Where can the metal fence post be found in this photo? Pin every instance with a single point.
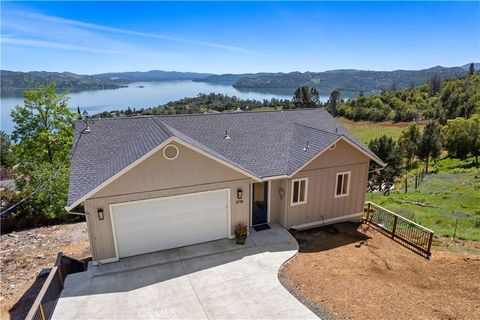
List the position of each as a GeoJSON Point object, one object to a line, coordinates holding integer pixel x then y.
{"type": "Point", "coordinates": [429, 247]}
{"type": "Point", "coordinates": [42, 313]}
{"type": "Point", "coordinates": [395, 218]}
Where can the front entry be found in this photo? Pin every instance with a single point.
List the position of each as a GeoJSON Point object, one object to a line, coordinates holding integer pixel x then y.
{"type": "Point", "coordinates": [260, 203]}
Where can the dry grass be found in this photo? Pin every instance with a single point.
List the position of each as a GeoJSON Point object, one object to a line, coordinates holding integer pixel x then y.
{"type": "Point", "coordinates": [365, 275]}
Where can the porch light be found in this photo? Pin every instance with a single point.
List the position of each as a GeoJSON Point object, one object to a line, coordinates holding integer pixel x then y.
{"type": "Point", "coordinates": [100, 214]}
{"type": "Point", "coordinates": [239, 194]}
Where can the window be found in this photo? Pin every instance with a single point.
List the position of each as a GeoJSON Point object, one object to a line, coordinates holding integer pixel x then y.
{"type": "Point", "coordinates": [342, 185]}
{"type": "Point", "coordinates": [299, 191]}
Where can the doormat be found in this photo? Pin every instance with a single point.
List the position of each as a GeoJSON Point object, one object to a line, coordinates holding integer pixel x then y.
{"type": "Point", "coordinates": [261, 227]}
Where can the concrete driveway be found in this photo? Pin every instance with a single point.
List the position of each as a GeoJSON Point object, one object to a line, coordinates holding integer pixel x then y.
{"type": "Point", "coordinates": [214, 280]}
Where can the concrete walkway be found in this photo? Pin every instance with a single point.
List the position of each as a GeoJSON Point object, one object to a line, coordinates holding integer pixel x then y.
{"type": "Point", "coordinates": [214, 280]}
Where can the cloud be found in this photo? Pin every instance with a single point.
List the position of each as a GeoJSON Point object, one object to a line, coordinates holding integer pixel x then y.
{"type": "Point", "coordinates": [91, 26]}
{"type": "Point", "coordinates": [51, 45]}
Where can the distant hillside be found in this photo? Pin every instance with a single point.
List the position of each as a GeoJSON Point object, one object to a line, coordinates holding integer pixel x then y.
{"type": "Point", "coordinates": [230, 78]}
{"type": "Point", "coordinates": [153, 75]}
{"type": "Point", "coordinates": [349, 80]}
{"type": "Point", "coordinates": [467, 66]}
{"type": "Point", "coordinates": [344, 80]}
{"type": "Point", "coordinates": [13, 82]}
{"type": "Point", "coordinates": [453, 98]}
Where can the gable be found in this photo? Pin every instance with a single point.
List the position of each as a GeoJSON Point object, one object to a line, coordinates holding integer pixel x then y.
{"type": "Point", "coordinates": [343, 154]}
{"type": "Point", "coordinates": [158, 173]}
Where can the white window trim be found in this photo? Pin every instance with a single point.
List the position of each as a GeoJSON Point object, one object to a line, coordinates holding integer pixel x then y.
{"type": "Point", "coordinates": [306, 191]}
{"type": "Point", "coordinates": [168, 146]}
{"type": "Point", "coordinates": [348, 184]}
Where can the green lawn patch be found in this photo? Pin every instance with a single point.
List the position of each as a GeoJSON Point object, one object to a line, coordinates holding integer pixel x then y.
{"type": "Point", "coordinates": [439, 202]}
{"type": "Point", "coordinates": [367, 130]}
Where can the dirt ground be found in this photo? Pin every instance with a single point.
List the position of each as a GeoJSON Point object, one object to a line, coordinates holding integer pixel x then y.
{"type": "Point", "coordinates": [24, 253]}
{"type": "Point", "coordinates": [359, 274]}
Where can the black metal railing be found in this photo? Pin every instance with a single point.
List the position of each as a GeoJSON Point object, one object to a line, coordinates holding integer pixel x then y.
{"type": "Point", "coordinates": [410, 234]}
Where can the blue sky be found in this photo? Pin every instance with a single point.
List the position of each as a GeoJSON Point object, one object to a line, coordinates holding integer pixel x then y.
{"type": "Point", "coordinates": [90, 37]}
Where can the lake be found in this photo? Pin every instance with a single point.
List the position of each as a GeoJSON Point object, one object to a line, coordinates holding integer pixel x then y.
{"type": "Point", "coordinates": [151, 95]}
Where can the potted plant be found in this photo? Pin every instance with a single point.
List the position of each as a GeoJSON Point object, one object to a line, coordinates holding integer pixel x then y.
{"type": "Point", "coordinates": [241, 233]}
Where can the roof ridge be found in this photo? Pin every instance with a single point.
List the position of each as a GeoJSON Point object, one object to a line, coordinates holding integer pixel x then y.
{"type": "Point", "coordinates": [120, 152]}
{"type": "Point", "coordinates": [163, 126]}
{"type": "Point", "coordinates": [318, 129]}
{"type": "Point", "coordinates": [185, 137]}
{"type": "Point", "coordinates": [233, 113]}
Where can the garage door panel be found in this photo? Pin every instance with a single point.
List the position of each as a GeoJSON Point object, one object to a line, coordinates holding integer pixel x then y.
{"type": "Point", "coordinates": [169, 222]}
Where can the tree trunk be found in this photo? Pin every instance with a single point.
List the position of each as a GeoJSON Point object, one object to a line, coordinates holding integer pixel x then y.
{"type": "Point", "coordinates": [426, 165]}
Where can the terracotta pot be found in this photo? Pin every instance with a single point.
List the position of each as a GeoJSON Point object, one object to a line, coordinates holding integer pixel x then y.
{"type": "Point", "coordinates": [240, 240]}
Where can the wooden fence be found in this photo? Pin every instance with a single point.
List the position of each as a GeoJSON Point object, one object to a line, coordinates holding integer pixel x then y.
{"type": "Point", "coordinates": [412, 235]}
{"type": "Point", "coordinates": [44, 305]}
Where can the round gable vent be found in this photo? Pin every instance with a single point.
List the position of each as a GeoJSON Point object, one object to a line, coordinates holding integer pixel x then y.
{"type": "Point", "coordinates": [333, 146]}
{"type": "Point", "coordinates": [170, 152]}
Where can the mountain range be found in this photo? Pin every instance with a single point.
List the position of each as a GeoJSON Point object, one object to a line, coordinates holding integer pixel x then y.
{"type": "Point", "coordinates": [345, 79]}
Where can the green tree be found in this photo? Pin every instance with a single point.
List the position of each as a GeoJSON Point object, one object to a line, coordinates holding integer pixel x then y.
{"type": "Point", "coordinates": [472, 69]}
{"type": "Point", "coordinates": [387, 150]}
{"type": "Point", "coordinates": [333, 102]}
{"type": "Point", "coordinates": [305, 97]}
{"type": "Point", "coordinates": [457, 137]}
{"type": "Point", "coordinates": [430, 144]}
{"type": "Point", "coordinates": [43, 133]}
{"type": "Point", "coordinates": [6, 155]}
{"type": "Point", "coordinates": [435, 84]}
{"type": "Point", "coordinates": [79, 114]}
{"type": "Point", "coordinates": [475, 137]}
{"type": "Point", "coordinates": [408, 143]}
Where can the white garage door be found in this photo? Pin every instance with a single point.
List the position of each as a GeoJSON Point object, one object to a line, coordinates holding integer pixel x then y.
{"type": "Point", "coordinates": [169, 222]}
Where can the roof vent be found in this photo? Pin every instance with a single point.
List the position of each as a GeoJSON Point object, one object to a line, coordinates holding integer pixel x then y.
{"type": "Point", "coordinates": [170, 152]}
{"type": "Point", "coordinates": [86, 122]}
{"type": "Point", "coordinates": [226, 137]}
{"type": "Point", "coordinates": [336, 129]}
{"type": "Point", "coordinates": [307, 147]}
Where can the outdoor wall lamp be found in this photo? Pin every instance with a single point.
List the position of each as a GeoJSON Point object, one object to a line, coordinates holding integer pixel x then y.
{"type": "Point", "coordinates": [100, 214]}
{"type": "Point", "coordinates": [239, 194]}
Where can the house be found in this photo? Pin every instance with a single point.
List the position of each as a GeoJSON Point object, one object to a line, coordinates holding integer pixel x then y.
{"type": "Point", "coordinates": [158, 182]}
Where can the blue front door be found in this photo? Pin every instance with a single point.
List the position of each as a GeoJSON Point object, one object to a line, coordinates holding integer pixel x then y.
{"type": "Point", "coordinates": [260, 203]}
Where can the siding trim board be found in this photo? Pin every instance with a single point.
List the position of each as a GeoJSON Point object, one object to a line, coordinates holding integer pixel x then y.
{"type": "Point", "coordinates": [328, 221]}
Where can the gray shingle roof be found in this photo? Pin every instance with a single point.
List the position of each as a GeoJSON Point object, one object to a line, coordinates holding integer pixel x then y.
{"type": "Point", "coordinates": [264, 144]}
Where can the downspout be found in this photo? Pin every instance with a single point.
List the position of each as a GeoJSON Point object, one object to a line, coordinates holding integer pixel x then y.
{"type": "Point", "coordinates": [92, 246]}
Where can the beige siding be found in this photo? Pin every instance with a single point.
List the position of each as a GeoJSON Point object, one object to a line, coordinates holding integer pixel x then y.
{"type": "Point", "coordinates": [343, 154]}
{"type": "Point", "coordinates": [321, 173]}
{"type": "Point", "coordinates": [157, 173]}
{"type": "Point", "coordinates": [277, 204]}
{"type": "Point", "coordinates": [158, 177]}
